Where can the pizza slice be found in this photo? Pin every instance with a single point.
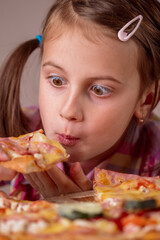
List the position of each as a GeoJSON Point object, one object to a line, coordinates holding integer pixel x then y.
{"type": "Point", "coordinates": [32, 152]}
{"type": "Point", "coordinates": [126, 192]}
{"type": "Point", "coordinates": [142, 226]}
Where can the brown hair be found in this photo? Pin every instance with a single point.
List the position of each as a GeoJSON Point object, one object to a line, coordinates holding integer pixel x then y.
{"type": "Point", "coordinates": [103, 14]}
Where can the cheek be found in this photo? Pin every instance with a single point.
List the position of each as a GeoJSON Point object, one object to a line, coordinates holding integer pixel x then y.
{"type": "Point", "coordinates": [109, 125]}
{"type": "Point", "coordinates": [43, 100]}
{"type": "Point", "coordinates": [47, 111]}
{"type": "Point", "coordinates": [46, 98]}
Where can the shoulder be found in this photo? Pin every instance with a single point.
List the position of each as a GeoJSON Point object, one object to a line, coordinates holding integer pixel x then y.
{"type": "Point", "coordinates": [152, 130]}
{"type": "Point", "coordinates": [33, 114]}
{"type": "Point", "coordinates": [149, 137]}
{"type": "Point", "coordinates": [150, 134]}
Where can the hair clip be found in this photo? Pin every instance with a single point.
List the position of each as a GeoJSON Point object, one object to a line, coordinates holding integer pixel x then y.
{"type": "Point", "coordinates": [39, 38]}
{"type": "Point", "coordinates": [122, 35]}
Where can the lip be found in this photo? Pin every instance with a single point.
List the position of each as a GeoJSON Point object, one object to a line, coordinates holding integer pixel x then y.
{"type": "Point", "coordinates": [67, 140]}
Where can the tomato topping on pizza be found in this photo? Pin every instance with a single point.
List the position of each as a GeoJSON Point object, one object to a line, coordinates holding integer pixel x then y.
{"type": "Point", "coordinates": [125, 192]}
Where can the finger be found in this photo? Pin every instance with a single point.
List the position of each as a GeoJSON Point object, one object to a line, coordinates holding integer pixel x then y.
{"type": "Point", "coordinates": [3, 194]}
{"type": "Point", "coordinates": [6, 174]}
{"type": "Point", "coordinates": [43, 183]}
{"type": "Point", "coordinates": [79, 177]}
{"type": "Point", "coordinates": [31, 181]}
{"type": "Point", "coordinates": [64, 183]}
{"type": "Point", "coordinates": [47, 187]}
{"type": "Point", "coordinates": [3, 156]}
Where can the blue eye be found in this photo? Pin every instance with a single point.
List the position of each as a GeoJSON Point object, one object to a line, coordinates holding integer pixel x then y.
{"type": "Point", "coordinates": [100, 90]}
{"type": "Point", "coordinates": [57, 81]}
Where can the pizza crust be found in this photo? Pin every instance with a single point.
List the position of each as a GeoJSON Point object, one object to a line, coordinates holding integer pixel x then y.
{"type": "Point", "coordinates": [24, 164]}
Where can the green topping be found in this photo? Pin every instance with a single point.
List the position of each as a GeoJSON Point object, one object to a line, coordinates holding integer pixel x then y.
{"type": "Point", "coordinates": [80, 210]}
{"type": "Point", "coordinates": [140, 205]}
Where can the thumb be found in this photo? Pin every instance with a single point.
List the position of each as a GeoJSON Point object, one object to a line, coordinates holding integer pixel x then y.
{"type": "Point", "coordinates": [78, 176]}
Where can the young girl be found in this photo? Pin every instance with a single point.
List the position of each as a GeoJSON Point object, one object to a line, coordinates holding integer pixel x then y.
{"type": "Point", "coordinates": [99, 83]}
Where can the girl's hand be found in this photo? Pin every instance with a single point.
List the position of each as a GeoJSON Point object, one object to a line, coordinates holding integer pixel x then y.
{"type": "Point", "coordinates": [55, 182]}
{"type": "Point", "coordinates": [3, 195]}
{"type": "Point", "coordinates": [6, 174]}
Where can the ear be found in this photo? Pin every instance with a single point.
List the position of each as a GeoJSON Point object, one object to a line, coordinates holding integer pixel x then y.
{"type": "Point", "coordinates": [145, 103]}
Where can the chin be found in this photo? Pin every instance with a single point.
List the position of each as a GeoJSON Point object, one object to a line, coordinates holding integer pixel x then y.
{"type": "Point", "coordinates": [73, 158]}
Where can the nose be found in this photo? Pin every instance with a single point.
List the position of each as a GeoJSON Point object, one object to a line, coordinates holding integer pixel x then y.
{"type": "Point", "coordinates": [72, 108]}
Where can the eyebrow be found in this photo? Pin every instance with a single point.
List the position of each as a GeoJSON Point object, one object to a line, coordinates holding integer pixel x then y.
{"type": "Point", "coordinates": [49, 63]}
{"type": "Point", "coordinates": [107, 77]}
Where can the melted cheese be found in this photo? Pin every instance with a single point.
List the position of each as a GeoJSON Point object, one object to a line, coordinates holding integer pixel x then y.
{"type": "Point", "coordinates": [13, 225]}
{"type": "Point", "coordinates": [35, 227]}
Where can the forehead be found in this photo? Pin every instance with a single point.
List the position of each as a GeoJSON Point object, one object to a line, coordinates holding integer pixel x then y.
{"type": "Point", "coordinates": [92, 31]}
{"type": "Point", "coordinates": [94, 54]}
{"type": "Point", "coordinates": [86, 30]}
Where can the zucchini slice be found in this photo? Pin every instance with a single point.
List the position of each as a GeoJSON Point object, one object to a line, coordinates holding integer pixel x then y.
{"type": "Point", "coordinates": [140, 205]}
{"type": "Point", "coordinates": [80, 210]}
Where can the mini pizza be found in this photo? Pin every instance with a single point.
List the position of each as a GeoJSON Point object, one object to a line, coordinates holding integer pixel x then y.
{"type": "Point", "coordinates": [32, 152]}
{"type": "Point", "coordinates": [21, 220]}
{"type": "Point", "coordinates": [126, 186]}
{"type": "Point", "coordinates": [83, 220]}
{"type": "Point", "coordinates": [126, 192]}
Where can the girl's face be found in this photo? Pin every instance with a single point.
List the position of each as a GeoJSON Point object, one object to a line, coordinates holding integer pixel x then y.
{"type": "Point", "coordinates": [88, 93]}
